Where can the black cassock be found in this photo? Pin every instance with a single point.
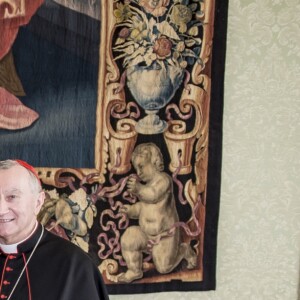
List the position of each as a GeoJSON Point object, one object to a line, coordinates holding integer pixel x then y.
{"type": "Point", "coordinates": [58, 270]}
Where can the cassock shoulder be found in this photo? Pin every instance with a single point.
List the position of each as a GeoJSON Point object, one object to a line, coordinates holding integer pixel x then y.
{"type": "Point", "coordinates": [73, 271]}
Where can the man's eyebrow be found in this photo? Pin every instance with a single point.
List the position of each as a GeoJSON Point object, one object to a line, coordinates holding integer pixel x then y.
{"type": "Point", "coordinates": [13, 190]}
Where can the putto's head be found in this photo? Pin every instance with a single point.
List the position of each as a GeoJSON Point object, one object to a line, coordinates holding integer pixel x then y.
{"type": "Point", "coordinates": [149, 152]}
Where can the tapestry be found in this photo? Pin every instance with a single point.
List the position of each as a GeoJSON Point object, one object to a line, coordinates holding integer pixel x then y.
{"type": "Point", "coordinates": [118, 104]}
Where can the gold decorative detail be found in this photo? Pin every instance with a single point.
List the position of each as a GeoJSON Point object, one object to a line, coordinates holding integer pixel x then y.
{"type": "Point", "coordinates": [176, 137]}
{"type": "Point", "coordinates": [13, 8]}
{"type": "Point", "coordinates": [109, 268]}
{"type": "Point", "coordinates": [122, 140]}
{"type": "Point", "coordinates": [208, 32]}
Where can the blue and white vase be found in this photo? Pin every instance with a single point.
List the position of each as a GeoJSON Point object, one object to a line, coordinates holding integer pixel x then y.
{"type": "Point", "coordinates": [153, 87]}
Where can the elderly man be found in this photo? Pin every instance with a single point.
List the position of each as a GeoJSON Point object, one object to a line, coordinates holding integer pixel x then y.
{"type": "Point", "coordinates": [34, 263]}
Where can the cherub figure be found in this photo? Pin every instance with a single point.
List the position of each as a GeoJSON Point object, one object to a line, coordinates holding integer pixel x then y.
{"type": "Point", "coordinates": [157, 214]}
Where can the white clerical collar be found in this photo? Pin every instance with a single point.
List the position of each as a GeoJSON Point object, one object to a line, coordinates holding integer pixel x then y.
{"type": "Point", "coordinates": [13, 248]}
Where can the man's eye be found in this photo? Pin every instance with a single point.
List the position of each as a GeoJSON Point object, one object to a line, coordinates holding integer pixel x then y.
{"type": "Point", "coordinates": [12, 197]}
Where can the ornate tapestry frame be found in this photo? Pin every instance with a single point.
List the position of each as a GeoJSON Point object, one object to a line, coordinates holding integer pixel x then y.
{"type": "Point", "coordinates": [116, 137]}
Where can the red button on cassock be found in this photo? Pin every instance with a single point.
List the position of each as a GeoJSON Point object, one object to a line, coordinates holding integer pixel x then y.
{"type": "Point", "coordinates": [8, 269]}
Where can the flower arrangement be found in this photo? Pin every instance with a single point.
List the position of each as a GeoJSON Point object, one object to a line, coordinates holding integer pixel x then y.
{"type": "Point", "coordinates": [163, 32]}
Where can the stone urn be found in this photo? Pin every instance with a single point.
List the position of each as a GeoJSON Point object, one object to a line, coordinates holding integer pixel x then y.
{"type": "Point", "coordinates": [153, 87]}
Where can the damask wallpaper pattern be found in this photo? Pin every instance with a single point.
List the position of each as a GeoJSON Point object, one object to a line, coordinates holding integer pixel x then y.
{"type": "Point", "coordinates": [259, 227]}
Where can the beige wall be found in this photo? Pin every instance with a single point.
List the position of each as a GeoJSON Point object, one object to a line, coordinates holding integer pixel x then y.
{"type": "Point", "coordinates": [259, 228]}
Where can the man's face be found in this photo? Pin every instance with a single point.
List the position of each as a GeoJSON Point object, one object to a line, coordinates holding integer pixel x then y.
{"type": "Point", "coordinates": [19, 205]}
{"type": "Point", "coordinates": [144, 168]}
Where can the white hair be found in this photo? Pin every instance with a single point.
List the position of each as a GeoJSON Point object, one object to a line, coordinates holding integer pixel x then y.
{"type": "Point", "coordinates": [33, 181]}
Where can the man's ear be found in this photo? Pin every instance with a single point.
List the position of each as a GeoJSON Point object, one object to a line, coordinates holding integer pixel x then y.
{"type": "Point", "coordinates": [39, 202]}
